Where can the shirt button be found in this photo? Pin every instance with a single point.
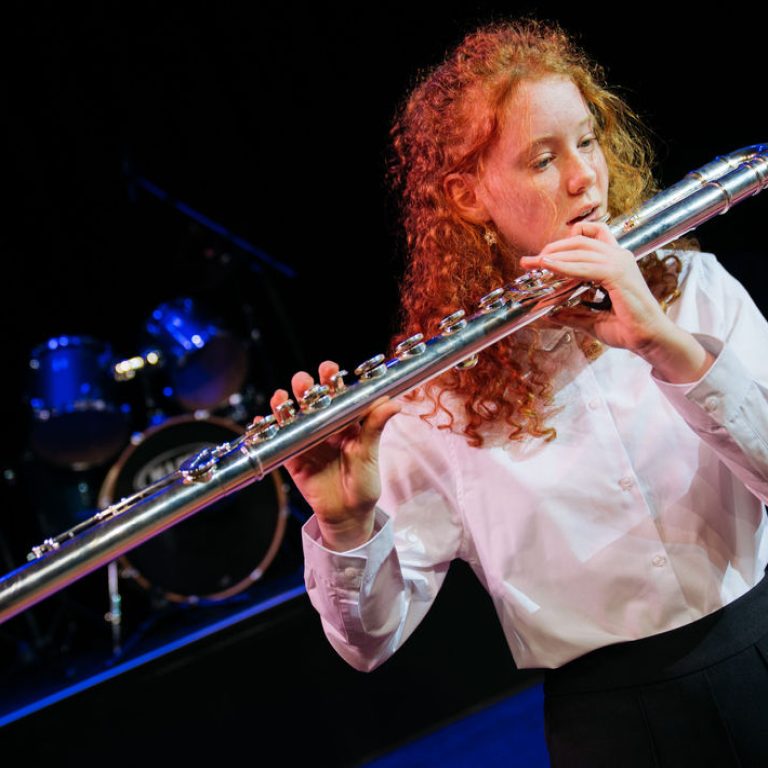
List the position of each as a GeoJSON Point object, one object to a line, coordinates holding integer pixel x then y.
{"type": "Point", "coordinates": [593, 405]}
{"type": "Point", "coordinates": [350, 572]}
{"type": "Point", "coordinates": [626, 483]}
{"type": "Point", "coordinates": [711, 403]}
{"type": "Point", "coordinates": [567, 338]}
{"type": "Point", "coordinates": [659, 561]}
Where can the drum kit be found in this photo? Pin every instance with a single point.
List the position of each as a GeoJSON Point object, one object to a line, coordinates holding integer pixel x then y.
{"type": "Point", "coordinates": [103, 427]}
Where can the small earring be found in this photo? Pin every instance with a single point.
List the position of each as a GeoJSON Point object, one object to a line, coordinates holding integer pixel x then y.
{"type": "Point", "coordinates": [490, 237]}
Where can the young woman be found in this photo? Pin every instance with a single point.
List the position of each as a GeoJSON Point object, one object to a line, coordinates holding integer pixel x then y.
{"type": "Point", "coordinates": [604, 475]}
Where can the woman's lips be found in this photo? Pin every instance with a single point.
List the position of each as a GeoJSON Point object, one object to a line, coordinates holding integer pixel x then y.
{"type": "Point", "coordinates": [590, 213]}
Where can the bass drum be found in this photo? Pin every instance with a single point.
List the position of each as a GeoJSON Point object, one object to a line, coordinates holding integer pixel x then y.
{"type": "Point", "coordinates": [220, 550]}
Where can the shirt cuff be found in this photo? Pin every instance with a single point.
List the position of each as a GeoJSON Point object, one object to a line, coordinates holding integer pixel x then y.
{"type": "Point", "coordinates": [350, 569]}
{"type": "Point", "coordinates": [715, 399]}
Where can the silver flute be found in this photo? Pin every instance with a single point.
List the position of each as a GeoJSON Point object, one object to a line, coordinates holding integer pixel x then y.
{"type": "Point", "coordinates": [325, 409]}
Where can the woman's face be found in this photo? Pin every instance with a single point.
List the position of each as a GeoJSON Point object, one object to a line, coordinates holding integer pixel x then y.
{"type": "Point", "coordinates": [546, 171]}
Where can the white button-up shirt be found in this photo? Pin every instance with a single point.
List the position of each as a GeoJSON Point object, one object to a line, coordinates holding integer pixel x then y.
{"type": "Point", "coordinates": [644, 514]}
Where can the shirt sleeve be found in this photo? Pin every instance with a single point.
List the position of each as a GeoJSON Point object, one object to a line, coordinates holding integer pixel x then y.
{"type": "Point", "coordinates": [728, 406]}
{"type": "Point", "coordinates": [371, 598]}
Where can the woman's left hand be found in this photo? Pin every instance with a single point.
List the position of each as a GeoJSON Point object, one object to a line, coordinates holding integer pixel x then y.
{"type": "Point", "coordinates": [591, 253]}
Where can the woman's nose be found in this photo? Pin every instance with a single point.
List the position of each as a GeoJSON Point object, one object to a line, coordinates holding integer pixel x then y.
{"type": "Point", "coordinates": [581, 174]}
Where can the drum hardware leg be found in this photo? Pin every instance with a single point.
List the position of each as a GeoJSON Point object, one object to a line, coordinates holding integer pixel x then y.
{"type": "Point", "coordinates": [114, 616]}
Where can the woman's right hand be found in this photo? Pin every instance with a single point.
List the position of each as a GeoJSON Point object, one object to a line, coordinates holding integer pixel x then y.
{"type": "Point", "coordinates": [340, 477]}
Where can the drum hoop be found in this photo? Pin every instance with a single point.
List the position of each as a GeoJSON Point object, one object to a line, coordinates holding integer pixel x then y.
{"type": "Point", "coordinates": [106, 497]}
{"type": "Point", "coordinates": [74, 341]}
{"type": "Point", "coordinates": [84, 405]}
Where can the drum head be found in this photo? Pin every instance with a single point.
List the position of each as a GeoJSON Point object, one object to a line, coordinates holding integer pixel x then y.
{"type": "Point", "coordinates": [220, 550]}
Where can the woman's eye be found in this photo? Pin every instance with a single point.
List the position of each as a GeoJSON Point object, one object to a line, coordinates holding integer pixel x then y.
{"type": "Point", "coordinates": [588, 141]}
{"type": "Point", "coordinates": [542, 162]}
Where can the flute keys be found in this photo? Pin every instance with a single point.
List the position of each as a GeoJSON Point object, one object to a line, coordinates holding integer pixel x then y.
{"type": "Point", "coordinates": [630, 223]}
{"type": "Point", "coordinates": [371, 369]}
{"type": "Point", "coordinates": [199, 468]}
{"type": "Point", "coordinates": [465, 365]}
{"type": "Point", "coordinates": [534, 280]}
{"type": "Point", "coordinates": [285, 413]}
{"type": "Point", "coordinates": [316, 398]}
{"type": "Point", "coordinates": [337, 383]}
{"type": "Point", "coordinates": [410, 347]}
{"type": "Point", "coordinates": [262, 428]}
{"type": "Point", "coordinates": [453, 323]}
{"type": "Point", "coordinates": [493, 301]}
{"type": "Point", "coordinates": [49, 545]}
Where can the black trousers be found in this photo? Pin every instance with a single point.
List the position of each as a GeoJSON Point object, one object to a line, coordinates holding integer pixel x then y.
{"type": "Point", "coordinates": [695, 696]}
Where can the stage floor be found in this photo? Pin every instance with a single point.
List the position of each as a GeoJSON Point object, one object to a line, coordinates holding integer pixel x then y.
{"type": "Point", "coordinates": [258, 677]}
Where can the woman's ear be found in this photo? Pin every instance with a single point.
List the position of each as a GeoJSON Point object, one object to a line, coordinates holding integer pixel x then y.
{"type": "Point", "coordinates": [461, 189]}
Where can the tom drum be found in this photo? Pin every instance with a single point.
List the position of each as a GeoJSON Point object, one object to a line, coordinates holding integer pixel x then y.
{"type": "Point", "coordinates": [77, 419]}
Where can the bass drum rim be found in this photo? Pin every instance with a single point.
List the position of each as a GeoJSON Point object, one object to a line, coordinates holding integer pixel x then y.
{"type": "Point", "coordinates": [106, 498]}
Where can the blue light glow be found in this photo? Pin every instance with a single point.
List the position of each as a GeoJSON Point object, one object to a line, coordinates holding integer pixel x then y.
{"type": "Point", "coordinates": [163, 650]}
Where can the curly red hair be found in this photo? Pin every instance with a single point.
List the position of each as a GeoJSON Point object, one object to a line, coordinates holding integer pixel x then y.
{"type": "Point", "coordinates": [451, 118]}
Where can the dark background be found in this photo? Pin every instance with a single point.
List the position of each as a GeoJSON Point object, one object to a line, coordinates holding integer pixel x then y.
{"type": "Point", "coordinates": [271, 120]}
